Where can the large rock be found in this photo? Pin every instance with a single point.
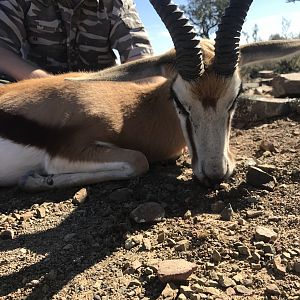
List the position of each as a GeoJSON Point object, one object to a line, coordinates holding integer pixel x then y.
{"type": "Point", "coordinates": [175, 270]}
{"type": "Point", "coordinates": [286, 85]}
{"type": "Point", "coordinates": [259, 108]}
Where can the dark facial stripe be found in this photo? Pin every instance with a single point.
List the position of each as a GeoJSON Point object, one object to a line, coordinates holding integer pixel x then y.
{"type": "Point", "coordinates": [188, 124]}
{"type": "Point", "coordinates": [29, 133]}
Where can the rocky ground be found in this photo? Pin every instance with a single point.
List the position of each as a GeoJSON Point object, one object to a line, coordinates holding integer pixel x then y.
{"type": "Point", "coordinates": [242, 239]}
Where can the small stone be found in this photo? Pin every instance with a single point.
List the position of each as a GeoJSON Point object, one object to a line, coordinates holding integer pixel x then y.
{"type": "Point", "coordinates": [80, 197]}
{"type": "Point", "coordinates": [161, 237]}
{"type": "Point", "coordinates": [181, 297]}
{"type": "Point", "coordinates": [254, 213]}
{"type": "Point", "coordinates": [217, 206]}
{"type": "Point", "coordinates": [171, 242]}
{"type": "Point", "coordinates": [186, 290]}
{"type": "Point", "coordinates": [241, 222]}
{"type": "Point", "coordinates": [187, 215]}
{"type": "Point", "coordinates": [129, 244]}
{"type": "Point", "coordinates": [26, 216]}
{"type": "Point", "coordinates": [244, 250]}
{"type": "Point", "coordinates": [68, 247]}
{"type": "Point", "coordinates": [41, 212]}
{"type": "Point", "coordinates": [68, 237]}
{"type": "Point", "coordinates": [272, 290]}
{"type": "Point", "coordinates": [224, 186]}
{"type": "Point", "coordinates": [256, 266]}
{"type": "Point", "coordinates": [259, 178]}
{"type": "Point", "coordinates": [286, 255]}
{"type": "Point", "coordinates": [267, 146]}
{"type": "Point", "coordinates": [227, 213]}
{"type": "Point", "coordinates": [268, 248]}
{"type": "Point", "coordinates": [297, 266]}
{"type": "Point", "coordinates": [120, 195]}
{"type": "Point", "coordinates": [34, 282]}
{"type": "Point", "coordinates": [278, 266]}
{"type": "Point", "coordinates": [256, 256]}
{"type": "Point", "coordinates": [148, 213]}
{"type": "Point", "coordinates": [226, 282]}
{"type": "Point", "coordinates": [230, 291]}
{"type": "Point", "coordinates": [170, 291]}
{"type": "Point", "coordinates": [241, 289]}
{"type": "Point", "coordinates": [182, 245]}
{"type": "Point", "coordinates": [265, 234]}
{"type": "Point", "coordinates": [7, 234]}
{"type": "Point", "coordinates": [216, 256]}
{"type": "Point", "coordinates": [147, 244]}
{"type": "Point", "coordinates": [175, 270]}
{"type": "Point", "coordinates": [210, 266]}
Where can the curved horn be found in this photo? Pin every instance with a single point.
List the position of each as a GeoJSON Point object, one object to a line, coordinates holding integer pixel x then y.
{"type": "Point", "coordinates": [188, 52]}
{"type": "Point", "coordinates": [228, 37]}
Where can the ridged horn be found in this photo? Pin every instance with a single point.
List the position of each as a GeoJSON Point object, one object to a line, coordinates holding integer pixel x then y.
{"type": "Point", "coordinates": [188, 52]}
{"type": "Point", "coordinates": [228, 37]}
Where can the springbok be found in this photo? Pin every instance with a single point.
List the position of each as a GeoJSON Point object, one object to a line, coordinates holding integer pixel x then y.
{"type": "Point", "coordinates": [56, 132]}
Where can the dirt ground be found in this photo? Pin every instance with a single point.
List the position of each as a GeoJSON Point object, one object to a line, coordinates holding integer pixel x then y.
{"type": "Point", "coordinates": [62, 250]}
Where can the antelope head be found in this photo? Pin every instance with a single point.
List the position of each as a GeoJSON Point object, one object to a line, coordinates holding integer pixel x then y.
{"type": "Point", "coordinates": [206, 87]}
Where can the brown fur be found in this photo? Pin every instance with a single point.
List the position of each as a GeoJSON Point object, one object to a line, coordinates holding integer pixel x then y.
{"type": "Point", "coordinates": [85, 112]}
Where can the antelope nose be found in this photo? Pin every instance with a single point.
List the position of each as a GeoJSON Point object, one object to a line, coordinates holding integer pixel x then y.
{"type": "Point", "coordinates": [214, 174]}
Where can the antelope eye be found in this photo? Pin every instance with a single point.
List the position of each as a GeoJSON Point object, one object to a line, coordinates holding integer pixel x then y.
{"type": "Point", "coordinates": [179, 105]}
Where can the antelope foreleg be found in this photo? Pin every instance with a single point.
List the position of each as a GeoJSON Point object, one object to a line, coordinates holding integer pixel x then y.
{"type": "Point", "coordinates": [61, 173]}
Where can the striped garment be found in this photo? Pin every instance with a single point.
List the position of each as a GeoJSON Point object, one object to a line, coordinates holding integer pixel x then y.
{"type": "Point", "coordinates": [72, 35]}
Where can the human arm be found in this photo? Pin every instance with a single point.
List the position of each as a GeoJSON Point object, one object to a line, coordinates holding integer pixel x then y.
{"type": "Point", "coordinates": [12, 37]}
{"type": "Point", "coordinates": [128, 35]}
{"type": "Point", "coordinates": [17, 68]}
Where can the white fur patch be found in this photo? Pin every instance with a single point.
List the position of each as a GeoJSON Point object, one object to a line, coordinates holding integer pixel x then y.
{"type": "Point", "coordinates": [58, 165]}
{"type": "Point", "coordinates": [17, 160]}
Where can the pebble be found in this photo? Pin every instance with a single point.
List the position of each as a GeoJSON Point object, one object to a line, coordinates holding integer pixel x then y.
{"type": "Point", "coordinates": [265, 234]}
{"type": "Point", "coordinates": [226, 282]}
{"type": "Point", "coordinates": [216, 256]}
{"type": "Point", "coordinates": [175, 270]}
{"type": "Point", "coordinates": [80, 197]}
{"type": "Point", "coordinates": [272, 290]}
{"type": "Point", "coordinates": [241, 289]}
{"type": "Point", "coordinates": [241, 222]}
{"type": "Point", "coordinates": [227, 213]}
{"type": "Point", "coordinates": [182, 245]}
{"type": "Point", "coordinates": [122, 194]}
{"type": "Point", "coordinates": [230, 291]}
{"type": "Point", "coordinates": [278, 266]}
{"type": "Point", "coordinates": [268, 248]}
{"type": "Point", "coordinates": [256, 256]}
{"type": "Point", "coordinates": [148, 213]}
{"type": "Point", "coordinates": [41, 212]}
{"type": "Point", "coordinates": [182, 297]}
{"type": "Point", "coordinates": [259, 178]}
{"type": "Point", "coordinates": [129, 244]}
{"type": "Point", "coordinates": [244, 250]}
{"type": "Point", "coordinates": [7, 234]}
{"type": "Point", "coordinates": [26, 216]}
{"type": "Point", "coordinates": [297, 266]}
{"type": "Point", "coordinates": [267, 146]}
{"type": "Point", "coordinates": [170, 291]}
{"type": "Point", "coordinates": [256, 266]}
{"type": "Point", "coordinates": [217, 206]}
{"type": "Point", "coordinates": [161, 237]}
{"type": "Point", "coordinates": [147, 244]}
{"type": "Point", "coordinates": [254, 213]}
{"type": "Point", "coordinates": [187, 215]}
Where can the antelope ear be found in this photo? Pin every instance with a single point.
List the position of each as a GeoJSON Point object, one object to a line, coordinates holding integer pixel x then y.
{"type": "Point", "coordinates": [188, 52]}
{"type": "Point", "coordinates": [228, 37]}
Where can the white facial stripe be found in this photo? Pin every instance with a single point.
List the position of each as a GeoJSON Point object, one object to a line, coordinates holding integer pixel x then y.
{"type": "Point", "coordinates": [210, 132]}
{"type": "Point", "coordinates": [17, 160]}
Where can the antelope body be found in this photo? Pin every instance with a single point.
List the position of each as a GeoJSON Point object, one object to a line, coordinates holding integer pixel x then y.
{"type": "Point", "coordinates": [79, 128]}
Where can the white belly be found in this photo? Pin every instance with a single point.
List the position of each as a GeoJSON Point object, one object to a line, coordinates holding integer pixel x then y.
{"type": "Point", "coordinates": [17, 160]}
